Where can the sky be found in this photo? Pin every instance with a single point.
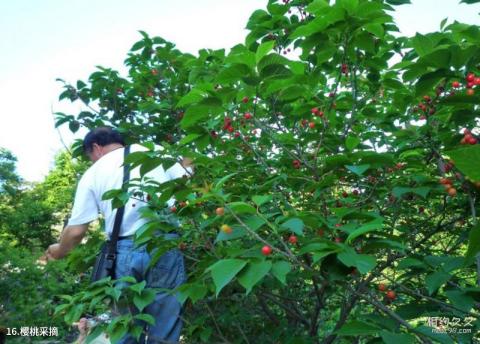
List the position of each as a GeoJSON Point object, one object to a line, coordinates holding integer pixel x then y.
{"type": "Point", "coordinates": [49, 39]}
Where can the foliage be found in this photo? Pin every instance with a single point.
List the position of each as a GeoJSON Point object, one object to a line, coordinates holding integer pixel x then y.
{"type": "Point", "coordinates": [340, 143]}
{"type": "Point", "coordinates": [30, 212]}
{"type": "Point", "coordinates": [29, 291]}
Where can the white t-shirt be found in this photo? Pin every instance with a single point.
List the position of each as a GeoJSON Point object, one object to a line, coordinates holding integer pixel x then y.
{"type": "Point", "coordinates": [107, 174]}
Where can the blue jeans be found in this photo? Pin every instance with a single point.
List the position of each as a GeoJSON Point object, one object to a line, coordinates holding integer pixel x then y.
{"type": "Point", "coordinates": [168, 272]}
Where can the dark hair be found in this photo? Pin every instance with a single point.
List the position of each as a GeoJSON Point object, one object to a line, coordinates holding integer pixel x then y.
{"type": "Point", "coordinates": [102, 136]}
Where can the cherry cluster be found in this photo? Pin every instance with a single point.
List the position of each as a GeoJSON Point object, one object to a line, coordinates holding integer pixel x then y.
{"type": "Point", "coordinates": [471, 81]}
{"type": "Point", "coordinates": [468, 138]}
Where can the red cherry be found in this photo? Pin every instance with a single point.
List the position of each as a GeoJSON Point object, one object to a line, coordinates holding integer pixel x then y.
{"type": "Point", "coordinates": [476, 81]}
{"type": "Point", "coordinates": [245, 100]}
{"type": "Point", "coordinates": [470, 92]}
{"type": "Point", "coordinates": [382, 287]}
{"type": "Point", "coordinates": [470, 84]}
{"type": "Point", "coordinates": [315, 110]}
{"type": "Point", "coordinates": [472, 141]}
{"type": "Point", "coordinates": [445, 181]}
{"type": "Point", "coordinates": [296, 163]}
{"type": "Point", "coordinates": [266, 250]}
{"type": "Point", "coordinates": [311, 125]}
{"type": "Point", "coordinates": [338, 239]}
{"type": "Point", "coordinates": [154, 72]}
{"type": "Point", "coordinates": [292, 239]}
{"type": "Point", "coordinates": [237, 134]}
{"type": "Point", "coordinates": [345, 194]}
{"type": "Point", "coordinates": [150, 93]}
{"type": "Point", "coordinates": [391, 295]}
{"type": "Point", "coordinates": [455, 84]}
{"type": "Point", "coordinates": [173, 209]}
{"type": "Point", "coordinates": [427, 98]}
{"type": "Point", "coordinates": [230, 129]}
{"type": "Point", "coordinates": [247, 115]}
{"type": "Point", "coordinates": [183, 204]}
{"type": "Point", "coordinates": [470, 77]}
{"type": "Point", "coordinates": [355, 192]}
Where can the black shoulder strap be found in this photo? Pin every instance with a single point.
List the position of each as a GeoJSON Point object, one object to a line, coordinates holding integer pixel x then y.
{"type": "Point", "coordinates": [119, 215]}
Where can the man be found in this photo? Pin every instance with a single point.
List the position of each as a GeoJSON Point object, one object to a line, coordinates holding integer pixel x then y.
{"type": "Point", "coordinates": [105, 147]}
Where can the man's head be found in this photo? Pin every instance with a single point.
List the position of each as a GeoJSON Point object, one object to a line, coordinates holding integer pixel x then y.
{"type": "Point", "coordinates": [100, 141]}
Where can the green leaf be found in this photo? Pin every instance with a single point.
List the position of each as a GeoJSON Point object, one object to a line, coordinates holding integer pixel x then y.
{"type": "Point", "coordinates": [473, 245]}
{"type": "Point", "coordinates": [437, 336]}
{"type": "Point", "coordinates": [114, 292]}
{"type": "Point", "coordinates": [294, 224]}
{"type": "Point", "coordinates": [427, 82]}
{"type": "Point", "coordinates": [194, 114]}
{"type": "Point", "coordinates": [118, 332]}
{"type": "Point", "coordinates": [422, 44]}
{"type": "Point", "coordinates": [364, 41]}
{"type": "Point", "coordinates": [368, 227]}
{"type": "Point", "coordinates": [467, 160]}
{"type": "Point", "coordinates": [357, 328]}
{"type": "Point", "coordinates": [327, 17]}
{"type": "Point", "coordinates": [224, 271]}
{"type": "Point", "coordinates": [241, 208]}
{"type": "Point", "coordinates": [233, 73]}
{"type": "Point", "coordinates": [359, 170]}
{"type": "Point", "coordinates": [351, 142]}
{"type": "Point", "coordinates": [259, 199]}
{"type": "Point", "coordinates": [263, 49]}
{"type": "Point", "coordinates": [408, 262]}
{"type": "Point", "coordinates": [376, 29]}
{"type": "Point", "coordinates": [144, 299]}
{"type": "Point", "coordinates": [138, 287]}
{"type": "Point", "coordinates": [194, 96]}
{"type": "Point", "coordinates": [436, 280]}
{"type": "Point", "coordinates": [363, 262]}
{"type": "Point", "coordinates": [222, 181]}
{"type": "Point", "coordinates": [254, 273]}
{"type": "Point", "coordinates": [316, 6]}
{"type": "Point", "coordinates": [145, 317]}
{"type": "Point", "coordinates": [421, 191]}
{"type": "Point", "coordinates": [193, 291]}
{"type": "Point", "coordinates": [74, 313]}
{"type": "Point", "coordinates": [189, 138]}
{"type": "Point", "coordinates": [349, 5]}
{"type": "Point", "coordinates": [469, 1]}
{"type": "Point", "coordinates": [280, 270]}
{"type": "Point", "coordinates": [460, 300]}
{"type": "Point", "coordinates": [395, 338]}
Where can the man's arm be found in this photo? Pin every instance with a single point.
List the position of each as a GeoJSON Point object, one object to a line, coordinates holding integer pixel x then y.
{"type": "Point", "coordinates": [69, 239]}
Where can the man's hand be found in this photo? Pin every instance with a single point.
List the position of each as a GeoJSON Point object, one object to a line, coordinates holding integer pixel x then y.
{"type": "Point", "coordinates": [70, 237]}
{"type": "Point", "coordinates": [54, 252]}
